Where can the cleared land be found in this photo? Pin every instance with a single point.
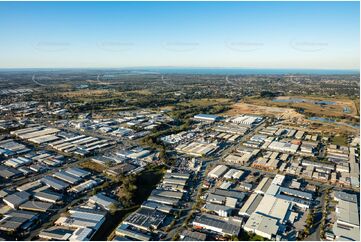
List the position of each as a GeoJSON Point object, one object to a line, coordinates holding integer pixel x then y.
{"type": "Point", "coordinates": [335, 110]}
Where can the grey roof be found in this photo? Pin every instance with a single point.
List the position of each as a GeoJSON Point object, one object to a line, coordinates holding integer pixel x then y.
{"type": "Point", "coordinates": [230, 193]}
{"type": "Point", "coordinates": [207, 116]}
{"type": "Point", "coordinates": [77, 172]}
{"type": "Point", "coordinates": [8, 172]}
{"type": "Point", "coordinates": [56, 232]}
{"type": "Point", "coordinates": [17, 198]}
{"type": "Point", "coordinates": [62, 175]}
{"type": "Point", "coordinates": [164, 200]}
{"type": "Point", "coordinates": [124, 229]}
{"type": "Point", "coordinates": [215, 221]}
{"type": "Point", "coordinates": [54, 183]}
{"type": "Point", "coordinates": [193, 236]}
{"type": "Point", "coordinates": [341, 195]}
{"type": "Point", "coordinates": [102, 200]}
{"type": "Point", "coordinates": [146, 218]}
{"type": "Point", "coordinates": [169, 194]}
{"type": "Point", "coordinates": [296, 193]}
{"type": "Point", "coordinates": [36, 206]}
{"type": "Point", "coordinates": [48, 196]}
{"type": "Point", "coordinates": [159, 206]}
{"type": "Point", "coordinates": [251, 204]}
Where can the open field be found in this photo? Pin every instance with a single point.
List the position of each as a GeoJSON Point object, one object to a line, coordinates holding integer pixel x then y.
{"type": "Point", "coordinates": [205, 102]}
{"type": "Point", "coordinates": [245, 108]}
{"type": "Point", "coordinates": [335, 110]}
{"type": "Point", "coordinates": [291, 116]}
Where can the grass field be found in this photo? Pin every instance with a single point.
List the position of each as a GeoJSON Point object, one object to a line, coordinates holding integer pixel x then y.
{"type": "Point", "coordinates": [205, 102]}
{"type": "Point", "coordinates": [339, 140]}
{"type": "Point", "coordinates": [91, 165]}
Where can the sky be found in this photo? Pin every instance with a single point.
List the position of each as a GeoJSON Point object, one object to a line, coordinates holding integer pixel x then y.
{"type": "Point", "coordinates": [304, 35]}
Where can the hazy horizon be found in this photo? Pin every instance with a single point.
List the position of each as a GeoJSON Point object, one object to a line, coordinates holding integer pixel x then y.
{"type": "Point", "coordinates": [266, 35]}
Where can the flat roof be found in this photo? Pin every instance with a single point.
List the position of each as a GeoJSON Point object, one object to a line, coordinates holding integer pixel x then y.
{"type": "Point", "coordinates": [36, 206]}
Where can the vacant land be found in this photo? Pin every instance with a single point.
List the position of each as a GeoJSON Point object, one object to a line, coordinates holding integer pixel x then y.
{"type": "Point", "coordinates": [91, 165]}
{"type": "Point", "coordinates": [334, 110]}
{"type": "Point", "coordinates": [205, 102]}
{"type": "Point", "coordinates": [245, 108]}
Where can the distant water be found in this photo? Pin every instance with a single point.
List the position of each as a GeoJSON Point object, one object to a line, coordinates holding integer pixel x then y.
{"type": "Point", "coordinates": [195, 70]}
{"type": "Point", "coordinates": [329, 120]}
{"type": "Point", "coordinates": [246, 71]}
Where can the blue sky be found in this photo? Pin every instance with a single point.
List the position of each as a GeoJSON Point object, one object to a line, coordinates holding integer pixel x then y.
{"type": "Point", "coordinates": [316, 35]}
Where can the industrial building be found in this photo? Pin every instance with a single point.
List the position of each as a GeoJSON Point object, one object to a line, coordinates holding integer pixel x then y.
{"type": "Point", "coordinates": [207, 117]}
{"type": "Point", "coordinates": [218, 171]}
{"type": "Point", "coordinates": [224, 226]}
{"type": "Point", "coordinates": [347, 225]}
{"type": "Point", "coordinates": [16, 199]}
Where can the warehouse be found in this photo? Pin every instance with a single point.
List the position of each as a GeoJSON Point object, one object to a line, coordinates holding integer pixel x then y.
{"type": "Point", "coordinates": [56, 233]}
{"type": "Point", "coordinates": [17, 162]}
{"type": "Point", "coordinates": [247, 120]}
{"type": "Point", "coordinates": [238, 158]}
{"type": "Point", "coordinates": [125, 230]}
{"type": "Point", "coordinates": [175, 181]}
{"type": "Point", "coordinates": [29, 186]}
{"type": "Point", "coordinates": [100, 199]}
{"type": "Point", "coordinates": [14, 200]}
{"type": "Point", "coordinates": [8, 172]}
{"type": "Point", "coordinates": [31, 135]}
{"type": "Point", "coordinates": [263, 185]}
{"type": "Point", "coordinates": [83, 186]}
{"type": "Point", "coordinates": [220, 210]}
{"type": "Point", "coordinates": [146, 219]}
{"type": "Point", "coordinates": [207, 117]}
{"type": "Point", "coordinates": [262, 225]}
{"type": "Point", "coordinates": [251, 204]}
{"type": "Point", "coordinates": [177, 175]}
{"type": "Point", "coordinates": [36, 206]}
{"type": "Point", "coordinates": [62, 175]}
{"type": "Point", "coordinates": [160, 207]}
{"type": "Point", "coordinates": [218, 171]}
{"type": "Point", "coordinates": [17, 220]}
{"type": "Point", "coordinates": [48, 196]}
{"type": "Point", "coordinates": [217, 224]}
{"type": "Point", "coordinates": [169, 194]}
{"type": "Point", "coordinates": [54, 183]}
{"type": "Point", "coordinates": [44, 139]}
{"type": "Point", "coordinates": [347, 225]}
{"type": "Point", "coordinates": [198, 149]}
{"type": "Point", "coordinates": [233, 172]}
{"type": "Point", "coordinates": [163, 200]}
{"type": "Point", "coordinates": [283, 147]}
{"type": "Point", "coordinates": [192, 236]}
{"type": "Point", "coordinates": [13, 147]}
{"type": "Point", "coordinates": [82, 234]}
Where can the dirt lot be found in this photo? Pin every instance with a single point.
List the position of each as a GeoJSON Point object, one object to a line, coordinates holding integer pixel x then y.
{"type": "Point", "coordinates": [291, 118]}
{"type": "Point", "coordinates": [245, 108]}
